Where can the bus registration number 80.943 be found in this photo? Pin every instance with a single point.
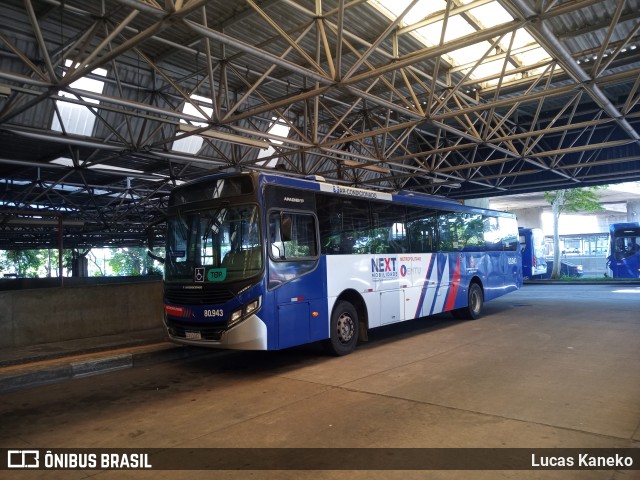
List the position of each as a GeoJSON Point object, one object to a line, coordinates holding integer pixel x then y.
{"type": "Point", "coordinates": [214, 313]}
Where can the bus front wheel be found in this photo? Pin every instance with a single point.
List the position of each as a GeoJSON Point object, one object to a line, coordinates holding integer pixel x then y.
{"type": "Point", "coordinates": [344, 327]}
{"type": "Point", "coordinates": [475, 302]}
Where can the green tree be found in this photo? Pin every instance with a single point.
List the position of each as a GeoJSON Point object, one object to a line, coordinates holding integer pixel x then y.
{"type": "Point", "coordinates": [126, 261]}
{"type": "Point", "coordinates": [24, 263]}
{"type": "Point", "coordinates": [33, 263]}
{"type": "Point", "coordinates": [132, 261]}
{"type": "Point", "coordinates": [91, 257]}
{"type": "Point", "coordinates": [573, 200]}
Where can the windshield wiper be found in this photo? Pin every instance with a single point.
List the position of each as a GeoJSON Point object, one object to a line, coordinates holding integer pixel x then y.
{"type": "Point", "coordinates": [213, 219]}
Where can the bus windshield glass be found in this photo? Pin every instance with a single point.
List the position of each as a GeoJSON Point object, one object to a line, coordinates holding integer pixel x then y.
{"type": "Point", "coordinates": [626, 242]}
{"type": "Point", "coordinates": [221, 244]}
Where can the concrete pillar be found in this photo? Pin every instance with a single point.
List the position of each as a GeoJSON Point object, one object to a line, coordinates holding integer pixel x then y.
{"type": "Point", "coordinates": [529, 217]}
{"type": "Point", "coordinates": [477, 202]}
{"type": "Point", "coordinates": [633, 211]}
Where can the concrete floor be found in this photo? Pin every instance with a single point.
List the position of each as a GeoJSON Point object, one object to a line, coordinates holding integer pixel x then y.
{"type": "Point", "coordinates": [546, 367]}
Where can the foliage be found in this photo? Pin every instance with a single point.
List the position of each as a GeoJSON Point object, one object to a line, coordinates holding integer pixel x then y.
{"type": "Point", "coordinates": [132, 261]}
{"type": "Point", "coordinates": [33, 263]}
{"type": "Point", "coordinates": [91, 257]}
{"type": "Point", "coordinates": [573, 200]}
{"type": "Point", "coordinates": [24, 263]}
{"type": "Point", "coordinates": [44, 263]}
{"type": "Point", "coordinates": [126, 261]}
{"type": "Point", "coordinates": [589, 279]}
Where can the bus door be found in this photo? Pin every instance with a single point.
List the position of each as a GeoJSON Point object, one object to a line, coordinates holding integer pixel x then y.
{"type": "Point", "coordinates": [539, 263]}
{"type": "Point", "coordinates": [298, 285]}
{"type": "Point", "coordinates": [385, 273]}
{"type": "Point", "coordinates": [526, 249]}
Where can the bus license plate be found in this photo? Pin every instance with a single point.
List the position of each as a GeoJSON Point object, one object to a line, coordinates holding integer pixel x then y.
{"type": "Point", "coordinates": [190, 335]}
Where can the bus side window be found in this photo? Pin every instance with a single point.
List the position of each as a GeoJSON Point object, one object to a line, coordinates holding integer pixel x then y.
{"type": "Point", "coordinates": [293, 246]}
{"type": "Point", "coordinates": [632, 245]}
{"type": "Point", "coordinates": [523, 242]}
{"type": "Point", "coordinates": [508, 233]}
{"type": "Point", "coordinates": [388, 234]}
{"type": "Point", "coordinates": [625, 247]}
{"type": "Point", "coordinates": [492, 238]}
{"type": "Point", "coordinates": [420, 227]}
{"type": "Point", "coordinates": [448, 230]}
{"type": "Point", "coordinates": [345, 226]}
{"type": "Point", "coordinates": [470, 234]}
{"type": "Point", "coordinates": [292, 235]}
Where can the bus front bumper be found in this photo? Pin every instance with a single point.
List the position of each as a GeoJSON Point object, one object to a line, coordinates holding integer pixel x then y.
{"type": "Point", "coordinates": [250, 334]}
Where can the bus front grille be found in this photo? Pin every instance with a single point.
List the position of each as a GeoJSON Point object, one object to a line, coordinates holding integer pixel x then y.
{"type": "Point", "coordinates": [207, 332]}
{"type": "Point", "coordinates": [182, 296]}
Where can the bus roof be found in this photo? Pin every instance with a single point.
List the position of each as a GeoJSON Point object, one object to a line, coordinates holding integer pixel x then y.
{"type": "Point", "coordinates": [619, 226]}
{"type": "Point", "coordinates": [403, 196]}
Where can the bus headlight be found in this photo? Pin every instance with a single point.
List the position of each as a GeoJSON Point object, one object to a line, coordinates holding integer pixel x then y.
{"type": "Point", "coordinates": [235, 318]}
{"type": "Point", "coordinates": [244, 312]}
{"type": "Point", "coordinates": [252, 307]}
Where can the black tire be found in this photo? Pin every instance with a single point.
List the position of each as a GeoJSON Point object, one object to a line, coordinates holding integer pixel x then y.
{"type": "Point", "coordinates": [344, 329]}
{"type": "Point", "coordinates": [475, 303]}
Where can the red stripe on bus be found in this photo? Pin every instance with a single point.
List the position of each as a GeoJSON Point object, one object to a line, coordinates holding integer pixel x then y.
{"type": "Point", "coordinates": [453, 291]}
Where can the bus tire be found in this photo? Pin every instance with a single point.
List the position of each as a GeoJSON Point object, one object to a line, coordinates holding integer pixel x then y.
{"type": "Point", "coordinates": [344, 329]}
{"type": "Point", "coordinates": [475, 303]}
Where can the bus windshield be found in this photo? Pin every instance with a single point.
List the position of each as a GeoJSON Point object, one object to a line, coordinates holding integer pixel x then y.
{"type": "Point", "coordinates": [221, 244]}
{"type": "Point", "coordinates": [625, 242]}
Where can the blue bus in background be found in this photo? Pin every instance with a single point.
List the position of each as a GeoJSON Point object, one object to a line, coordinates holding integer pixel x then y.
{"type": "Point", "coordinates": [624, 250]}
{"type": "Point", "coordinates": [533, 252]}
{"type": "Point", "coordinates": [263, 262]}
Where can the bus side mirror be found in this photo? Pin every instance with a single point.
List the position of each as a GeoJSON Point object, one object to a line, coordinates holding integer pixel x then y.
{"type": "Point", "coordinates": [151, 240]}
{"type": "Point", "coordinates": [285, 227]}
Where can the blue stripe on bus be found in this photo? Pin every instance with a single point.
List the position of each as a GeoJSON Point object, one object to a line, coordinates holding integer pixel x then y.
{"type": "Point", "coordinates": [425, 286]}
{"type": "Point", "coordinates": [441, 268]}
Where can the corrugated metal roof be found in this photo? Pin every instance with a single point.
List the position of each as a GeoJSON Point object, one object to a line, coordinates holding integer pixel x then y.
{"type": "Point", "coordinates": [403, 118]}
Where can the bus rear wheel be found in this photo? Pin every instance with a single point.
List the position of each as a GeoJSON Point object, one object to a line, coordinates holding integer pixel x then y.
{"type": "Point", "coordinates": [475, 302]}
{"type": "Point", "coordinates": [343, 335]}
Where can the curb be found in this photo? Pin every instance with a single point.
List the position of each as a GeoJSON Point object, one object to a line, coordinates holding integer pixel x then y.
{"type": "Point", "coordinates": [59, 370]}
{"type": "Point", "coordinates": [612, 283]}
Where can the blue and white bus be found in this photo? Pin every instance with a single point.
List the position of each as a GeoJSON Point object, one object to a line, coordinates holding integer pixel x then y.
{"type": "Point", "coordinates": [264, 262]}
{"type": "Point", "coordinates": [533, 252]}
{"type": "Point", "coordinates": [624, 250]}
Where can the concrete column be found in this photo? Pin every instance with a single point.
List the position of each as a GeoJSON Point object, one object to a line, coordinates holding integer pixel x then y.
{"type": "Point", "coordinates": [477, 202]}
{"type": "Point", "coordinates": [633, 211]}
{"type": "Point", "coordinates": [529, 217]}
